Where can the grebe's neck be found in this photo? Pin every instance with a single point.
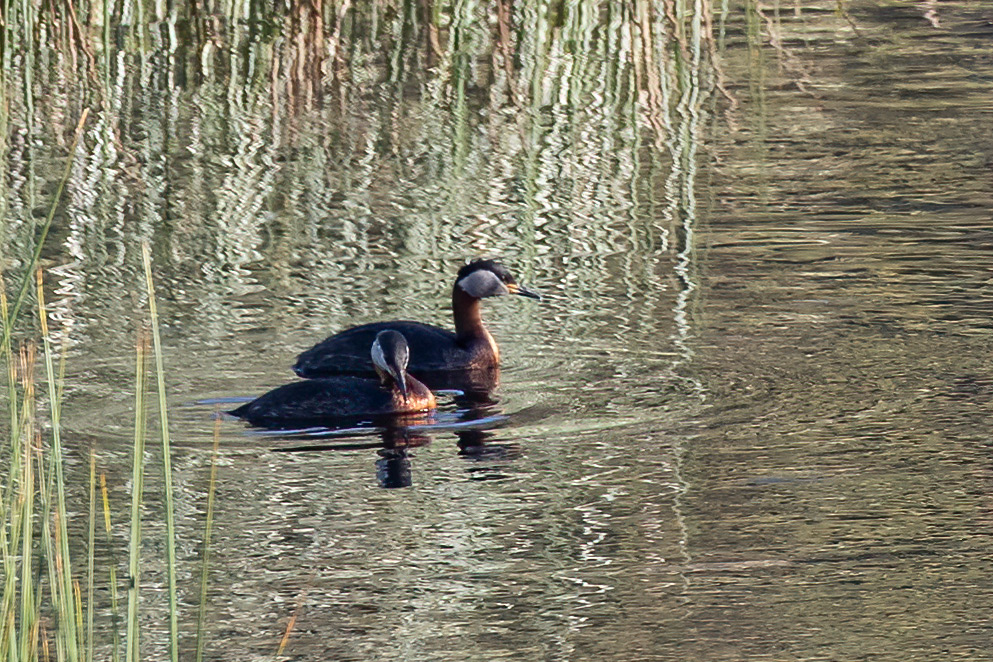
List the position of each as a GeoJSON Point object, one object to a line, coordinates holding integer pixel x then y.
{"type": "Point", "coordinates": [418, 398]}
{"type": "Point", "coordinates": [469, 327]}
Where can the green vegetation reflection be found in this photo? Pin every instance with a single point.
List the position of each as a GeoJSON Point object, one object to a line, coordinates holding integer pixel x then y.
{"type": "Point", "coordinates": [223, 133]}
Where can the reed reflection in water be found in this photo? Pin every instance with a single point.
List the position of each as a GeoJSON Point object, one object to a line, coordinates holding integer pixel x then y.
{"type": "Point", "coordinates": [212, 146]}
{"type": "Point", "coordinates": [749, 419]}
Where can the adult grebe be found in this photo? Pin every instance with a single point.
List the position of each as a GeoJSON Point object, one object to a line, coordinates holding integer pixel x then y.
{"type": "Point", "coordinates": [332, 399]}
{"type": "Point", "coordinates": [434, 349]}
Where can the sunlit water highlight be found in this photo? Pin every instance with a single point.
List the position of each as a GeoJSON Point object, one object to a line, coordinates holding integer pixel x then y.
{"type": "Point", "coordinates": [750, 419]}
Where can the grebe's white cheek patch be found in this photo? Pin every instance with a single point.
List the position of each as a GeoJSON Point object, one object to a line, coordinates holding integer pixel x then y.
{"type": "Point", "coordinates": [377, 356]}
{"type": "Point", "coordinates": [481, 284]}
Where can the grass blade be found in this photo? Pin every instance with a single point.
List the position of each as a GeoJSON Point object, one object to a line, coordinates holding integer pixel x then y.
{"type": "Point", "coordinates": [26, 506]}
{"type": "Point", "coordinates": [291, 623]}
{"type": "Point", "coordinates": [68, 618]}
{"type": "Point", "coordinates": [90, 539]}
{"type": "Point", "coordinates": [8, 356]}
{"type": "Point", "coordinates": [114, 611]}
{"type": "Point", "coordinates": [202, 616]}
{"type": "Point", "coordinates": [166, 457]}
{"type": "Point", "coordinates": [137, 492]}
{"type": "Point", "coordinates": [10, 517]}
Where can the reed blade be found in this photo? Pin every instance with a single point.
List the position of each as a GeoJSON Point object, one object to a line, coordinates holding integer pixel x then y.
{"type": "Point", "coordinates": [166, 456]}
{"type": "Point", "coordinates": [137, 492]}
{"type": "Point", "coordinates": [90, 552]}
{"type": "Point", "coordinates": [208, 528]}
{"type": "Point", "coordinates": [68, 616]}
{"type": "Point", "coordinates": [114, 610]}
{"type": "Point", "coordinates": [26, 506]}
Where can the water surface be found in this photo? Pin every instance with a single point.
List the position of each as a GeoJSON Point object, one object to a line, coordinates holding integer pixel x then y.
{"type": "Point", "coordinates": [751, 417]}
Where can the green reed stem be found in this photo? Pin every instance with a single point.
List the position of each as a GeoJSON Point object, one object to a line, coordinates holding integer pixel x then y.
{"type": "Point", "coordinates": [19, 495]}
{"type": "Point", "coordinates": [26, 506]}
{"type": "Point", "coordinates": [202, 615]}
{"type": "Point", "coordinates": [9, 321]}
{"type": "Point", "coordinates": [50, 545]}
{"type": "Point", "coordinates": [77, 594]}
{"type": "Point", "coordinates": [9, 568]}
{"type": "Point", "coordinates": [114, 610]}
{"type": "Point", "coordinates": [4, 103]}
{"type": "Point", "coordinates": [166, 456]}
{"type": "Point", "coordinates": [68, 617]}
{"type": "Point", "coordinates": [18, 503]}
{"type": "Point", "coordinates": [90, 539]}
{"type": "Point", "coordinates": [6, 500]}
{"type": "Point", "coordinates": [50, 548]}
{"type": "Point", "coordinates": [137, 493]}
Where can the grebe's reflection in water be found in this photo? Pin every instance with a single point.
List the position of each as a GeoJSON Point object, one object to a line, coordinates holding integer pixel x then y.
{"type": "Point", "coordinates": [393, 445]}
{"type": "Point", "coordinates": [471, 421]}
{"type": "Point", "coordinates": [471, 412]}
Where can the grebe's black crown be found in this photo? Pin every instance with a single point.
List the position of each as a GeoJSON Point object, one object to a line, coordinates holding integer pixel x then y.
{"type": "Point", "coordinates": [489, 278]}
{"type": "Point", "coordinates": [393, 347]}
{"type": "Point", "coordinates": [493, 266]}
{"type": "Point", "coordinates": [390, 354]}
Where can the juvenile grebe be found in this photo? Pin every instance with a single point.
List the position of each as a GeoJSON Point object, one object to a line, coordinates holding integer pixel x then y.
{"type": "Point", "coordinates": [323, 401]}
{"type": "Point", "coordinates": [434, 349]}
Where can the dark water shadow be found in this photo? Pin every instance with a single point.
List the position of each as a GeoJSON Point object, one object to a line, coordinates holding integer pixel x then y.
{"type": "Point", "coordinates": [393, 444]}
{"type": "Point", "coordinates": [472, 416]}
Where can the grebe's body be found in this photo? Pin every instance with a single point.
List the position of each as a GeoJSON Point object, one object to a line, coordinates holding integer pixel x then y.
{"type": "Point", "coordinates": [433, 349]}
{"type": "Point", "coordinates": [340, 398]}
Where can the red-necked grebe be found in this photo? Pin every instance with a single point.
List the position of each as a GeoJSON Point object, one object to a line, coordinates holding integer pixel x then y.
{"type": "Point", "coordinates": [327, 400]}
{"type": "Point", "coordinates": [433, 349]}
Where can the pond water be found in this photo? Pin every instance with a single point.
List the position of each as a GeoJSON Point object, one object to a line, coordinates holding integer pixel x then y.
{"type": "Point", "coordinates": [750, 418]}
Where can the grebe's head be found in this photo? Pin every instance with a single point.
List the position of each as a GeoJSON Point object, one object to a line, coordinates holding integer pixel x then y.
{"type": "Point", "coordinates": [488, 278]}
{"type": "Point", "coordinates": [390, 355]}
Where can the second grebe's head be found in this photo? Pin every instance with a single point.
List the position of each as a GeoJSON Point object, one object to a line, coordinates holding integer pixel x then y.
{"type": "Point", "coordinates": [487, 278]}
{"type": "Point", "coordinates": [390, 355]}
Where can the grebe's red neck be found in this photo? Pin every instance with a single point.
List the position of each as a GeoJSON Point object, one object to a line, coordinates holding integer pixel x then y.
{"type": "Point", "coordinates": [469, 327]}
{"type": "Point", "coordinates": [417, 398]}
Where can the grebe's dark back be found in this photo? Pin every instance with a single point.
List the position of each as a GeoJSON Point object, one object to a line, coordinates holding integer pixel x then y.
{"type": "Point", "coordinates": [329, 400]}
{"type": "Point", "coordinates": [433, 349]}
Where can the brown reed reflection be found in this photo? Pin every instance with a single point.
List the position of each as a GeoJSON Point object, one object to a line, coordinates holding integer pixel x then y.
{"type": "Point", "coordinates": [310, 148]}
